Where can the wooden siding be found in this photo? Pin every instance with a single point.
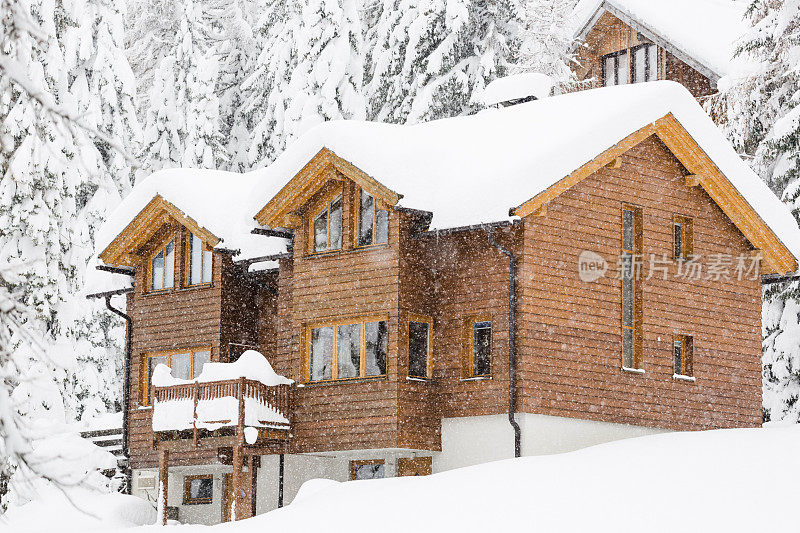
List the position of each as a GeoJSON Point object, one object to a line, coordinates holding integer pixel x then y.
{"type": "Point", "coordinates": [610, 35]}
{"type": "Point", "coordinates": [571, 341]}
{"type": "Point", "coordinates": [354, 414]}
{"type": "Point", "coordinates": [168, 320]}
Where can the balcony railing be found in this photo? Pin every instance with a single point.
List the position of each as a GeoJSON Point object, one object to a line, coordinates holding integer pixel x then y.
{"type": "Point", "coordinates": [210, 406]}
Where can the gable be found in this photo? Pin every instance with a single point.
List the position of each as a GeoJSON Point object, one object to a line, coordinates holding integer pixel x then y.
{"type": "Point", "coordinates": [702, 173]}
{"type": "Point", "coordinates": [149, 221]}
{"type": "Point", "coordinates": [280, 210]}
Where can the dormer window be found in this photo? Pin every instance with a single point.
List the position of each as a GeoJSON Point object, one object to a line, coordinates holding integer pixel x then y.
{"type": "Point", "coordinates": [200, 259]}
{"type": "Point", "coordinates": [162, 268]}
{"type": "Point", "coordinates": [326, 227]}
{"type": "Point", "coordinates": [373, 222]}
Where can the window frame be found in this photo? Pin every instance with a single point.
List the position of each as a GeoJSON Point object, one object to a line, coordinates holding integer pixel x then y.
{"type": "Point", "coordinates": [687, 237]}
{"type": "Point", "coordinates": [615, 55]}
{"type": "Point", "coordinates": [687, 356]}
{"type": "Point", "coordinates": [144, 380]}
{"type": "Point", "coordinates": [636, 296]}
{"type": "Point", "coordinates": [161, 248]}
{"type": "Point", "coordinates": [648, 47]}
{"type": "Point", "coordinates": [357, 220]}
{"type": "Point", "coordinates": [322, 205]}
{"type": "Point", "coordinates": [187, 252]}
{"type": "Point", "coordinates": [362, 321]}
{"type": "Point", "coordinates": [423, 319]}
{"type": "Point", "coordinates": [468, 349]}
{"type": "Point", "coordinates": [354, 464]}
{"type": "Point", "coordinates": [187, 482]}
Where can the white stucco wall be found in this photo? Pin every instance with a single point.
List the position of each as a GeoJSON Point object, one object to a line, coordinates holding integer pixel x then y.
{"type": "Point", "coordinates": [465, 441]}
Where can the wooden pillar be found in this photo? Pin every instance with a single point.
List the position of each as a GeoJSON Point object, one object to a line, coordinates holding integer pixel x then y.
{"type": "Point", "coordinates": [238, 483]}
{"type": "Point", "coordinates": [163, 482]}
{"type": "Point", "coordinates": [255, 462]}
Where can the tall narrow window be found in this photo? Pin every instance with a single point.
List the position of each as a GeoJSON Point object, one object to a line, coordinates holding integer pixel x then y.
{"type": "Point", "coordinates": [477, 360]}
{"type": "Point", "coordinates": [615, 68]}
{"type": "Point", "coordinates": [373, 222]}
{"type": "Point", "coordinates": [350, 349]}
{"type": "Point", "coordinates": [200, 261]}
{"type": "Point", "coordinates": [683, 350]}
{"type": "Point", "coordinates": [683, 233]}
{"type": "Point", "coordinates": [631, 288]}
{"type": "Point", "coordinates": [162, 268]}
{"type": "Point", "coordinates": [645, 61]}
{"type": "Point", "coordinates": [326, 227]}
{"type": "Point", "coordinates": [419, 348]}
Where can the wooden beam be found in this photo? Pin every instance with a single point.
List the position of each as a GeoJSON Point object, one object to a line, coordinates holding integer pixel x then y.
{"type": "Point", "coordinates": [693, 180]}
{"type": "Point", "coordinates": [163, 482]}
{"type": "Point", "coordinates": [540, 211]}
{"type": "Point", "coordinates": [238, 483]}
{"type": "Point", "coordinates": [615, 163]}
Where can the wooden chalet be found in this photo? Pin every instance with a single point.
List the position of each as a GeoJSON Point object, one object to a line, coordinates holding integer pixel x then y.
{"type": "Point", "coordinates": [442, 295]}
{"type": "Point", "coordinates": [691, 42]}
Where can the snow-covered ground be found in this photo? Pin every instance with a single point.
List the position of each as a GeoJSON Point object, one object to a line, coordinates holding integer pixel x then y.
{"type": "Point", "coordinates": [727, 480]}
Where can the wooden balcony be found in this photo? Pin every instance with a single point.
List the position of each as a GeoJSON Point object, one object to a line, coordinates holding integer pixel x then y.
{"type": "Point", "coordinates": [223, 409]}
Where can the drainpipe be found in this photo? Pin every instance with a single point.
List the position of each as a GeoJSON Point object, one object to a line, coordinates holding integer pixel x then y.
{"type": "Point", "coordinates": [126, 394]}
{"type": "Point", "coordinates": [280, 480]}
{"type": "Point", "coordinates": [512, 340]}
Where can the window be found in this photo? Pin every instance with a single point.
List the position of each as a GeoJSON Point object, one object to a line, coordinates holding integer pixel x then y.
{"type": "Point", "coordinates": [326, 227]}
{"type": "Point", "coordinates": [419, 347]}
{"type": "Point", "coordinates": [184, 364]}
{"type": "Point", "coordinates": [198, 489]}
{"type": "Point", "coordinates": [162, 268]}
{"type": "Point", "coordinates": [683, 351]}
{"type": "Point", "coordinates": [373, 222]}
{"type": "Point", "coordinates": [370, 469]}
{"type": "Point", "coordinates": [615, 68]}
{"type": "Point", "coordinates": [200, 259]}
{"type": "Point", "coordinates": [477, 360]}
{"type": "Point", "coordinates": [683, 237]}
{"type": "Point", "coordinates": [631, 288]}
{"type": "Point", "coordinates": [351, 349]}
{"type": "Point", "coordinates": [645, 63]}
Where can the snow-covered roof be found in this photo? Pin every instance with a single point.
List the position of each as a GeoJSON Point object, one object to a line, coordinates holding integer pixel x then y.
{"type": "Point", "coordinates": [471, 170]}
{"type": "Point", "coordinates": [701, 30]}
{"type": "Point", "coordinates": [465, 170]}
{"type": "Point", "coordinates": [517, 87]}
{"type": "Point", "coordinates": [217, 201]}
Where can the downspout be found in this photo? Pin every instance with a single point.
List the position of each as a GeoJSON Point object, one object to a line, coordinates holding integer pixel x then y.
{"type": "Point", "coordinates": [126, 395]}
{"type": "Point", "coordinates": [512, 340]}
{"type": "Point", "coordinates": [280, 479]}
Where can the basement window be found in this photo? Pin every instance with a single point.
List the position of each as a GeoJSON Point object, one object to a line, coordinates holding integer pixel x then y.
{"type": "Point", "coordinates": [198, 489]}
{"type": "Point", "coordinates": [368, 469]}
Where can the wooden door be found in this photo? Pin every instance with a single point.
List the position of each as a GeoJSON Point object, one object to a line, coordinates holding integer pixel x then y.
{"type": "Point", "coordinates": [227, 497]}
{"type": "Point", "coordinates": [414, 466]}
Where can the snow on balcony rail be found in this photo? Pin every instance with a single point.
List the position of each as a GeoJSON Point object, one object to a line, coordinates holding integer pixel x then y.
{"type": "Point", "coordinates": [246, 393]}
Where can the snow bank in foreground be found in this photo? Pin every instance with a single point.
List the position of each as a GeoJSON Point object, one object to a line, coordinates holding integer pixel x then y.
{"type": "Point", "coordinates": [740, 480]}
{"type": "Point", "coordinates": [85, 510]}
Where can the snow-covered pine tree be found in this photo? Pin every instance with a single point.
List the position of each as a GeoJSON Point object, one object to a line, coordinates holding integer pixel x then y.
{"type": "Point", "coordinates": [545, 40]}
{"type": "Point", "coordinates": [761, 115]}
{"type": "Point", "coordinates": [310, 70]}
{"type": "Point", "coordinates": [434, 58]}
{"type": "Point", "coordinates": [182, 126]}
{"type": "Point", "coordinates": [265, 90]}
